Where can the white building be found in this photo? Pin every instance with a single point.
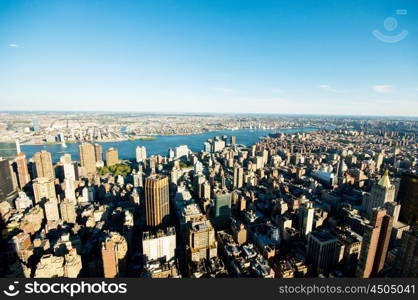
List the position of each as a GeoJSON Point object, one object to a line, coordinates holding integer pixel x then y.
{"type": "Point", "coordinates": [141, 154]}
{"type": "Point", "coordinates": [162, 244]}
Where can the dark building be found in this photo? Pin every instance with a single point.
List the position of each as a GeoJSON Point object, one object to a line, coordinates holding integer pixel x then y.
{"type": "Point", "coordinates": [408, 198]}
{"type": "Point", "coordinates": [7, 191]}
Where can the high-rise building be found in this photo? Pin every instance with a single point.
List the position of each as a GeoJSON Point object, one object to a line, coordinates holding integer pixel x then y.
{"type": "Point", "coordinates": [406, 263]}
{"type": "Point", "coordinates": [238, 176]}
{"type": "Point", "coordinates": [21, 169]}
{"type": "Point", "coordinates": [43, 163]}
{"type": "Point", "coordinates": [232, 140]}
{"type": "Point", "coordinates": [382, 191]}
{"type": "Point", "coordinates": [221, 208]}
{"type": "Point", "coordinates": [112, 157]}
{"type": "Point", "coordinates": [322, 250]}
{"type": "Point", "coordinates": [51, 210]}
{"type": "Point", "coordinates": [157, 202]}
{"type": "Point", "coordinates": [44, 188]}
{"type": "Point", "coordinates": [98, 152]}
{"type": "Point", "coordinates": [88, 158]}
{"type": "Point", "coordinates": [408, 198]}
{"type": "Point", "coordinates": [8, 150]}
{"type": "Point", "coordinates": [69, 189]}
{"type": "Point", "coordinates": [68, 167]}
{"type": "Point", "coordinates": [375, 244]}
{"type": "Point", "coordinates": [159, 245]}
{"type": "Point", "coordinates": [306, 216]}
{"type": "Point", "coordinates": [7, 190]}
{"type": "Point", "coordinates": [141, 154]}
{"type": "Point", "coordinates": [67, 210]}
{"type": "Point", "coordinates": [202, 242]}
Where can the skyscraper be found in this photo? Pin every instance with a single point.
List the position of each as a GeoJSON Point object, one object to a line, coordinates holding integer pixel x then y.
{"type": "Point", "coordinates": [44, 188]}
{"type": "Point", "coordinates": [21, 169]}
{"type": "Point", "coordinates": [112, 157]}
{"type": "Point", "coordinates": [68, 166]}
{"type": "Point", "coordinates": [159, 245]}
{"type": "Point", "coordinates": [88, 158]}
{"type": "Point", "coordinates": [322, 249]}
{"type": "Point", "coordinates": [375, 244]}
{"type": "Point", "coordinates": [109, 259]}
{"type": "Point", "coordinates": [382, 191]}
{"type": "Point", "coordinates": [408, 197]}
{"type": "Point", "coordinates": [43, 163]}
{"type": "Point", "coordinates": [7, 190]}
{"type": "Point", "coordinates": [157, 201]}
{"type": "Point", "coordinates": [202, 242]}
{"type": "Point", "coordinates": [407, 257]}
{"type": "Point", "coordinates": [141, 154]}
{"type": "Point", "coordinates": [98, 152]}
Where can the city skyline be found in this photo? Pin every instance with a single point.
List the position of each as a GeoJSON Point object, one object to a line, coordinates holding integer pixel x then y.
{"type": "Point", "coordinates": [234, 57]}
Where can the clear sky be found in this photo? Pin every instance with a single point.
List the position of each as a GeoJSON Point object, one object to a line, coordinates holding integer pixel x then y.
{"type": "Point", "coordinates": [317, 57]}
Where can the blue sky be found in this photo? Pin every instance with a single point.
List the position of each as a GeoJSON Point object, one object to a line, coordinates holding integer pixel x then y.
{"type": "Point", "coordinates": [209, 56]}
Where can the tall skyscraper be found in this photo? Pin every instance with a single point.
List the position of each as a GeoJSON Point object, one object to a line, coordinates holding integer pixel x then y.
{"type": "Point", "coordinates": [375, 244]}
{"type": "Point", "coordinates": [112, 157]}
{"type": "Point", "coordinates": [232, 140]}
{"type": "Point", "coordinates": [43, 163]}
{"type": "Point", "coordinates": [98, 152]}
{"type": "Point", "coordinates": [382, 191]}
{"type": "Point", "coordinates": [322, 249]}
{"type": "Point", "coordinates": [21, 169]}
{"type": "Point", "coordinates": [408, 198]}
{"type": "Point", "coordinates": [141, 154]}
{"type": "Point", "coordinates": [7, 190]}
{"type": "Point", "coordinates": [406, 263]}
{"type": "Point", "coordinates": [44, 188]}
{"type": "Point", "coordinates": [157, 200]}
{"type": "Point", "coordinates": [88, 158]}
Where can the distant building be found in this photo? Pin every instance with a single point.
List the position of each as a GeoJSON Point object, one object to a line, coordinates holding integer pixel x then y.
{"type": "Point", "coordinates": [141, 154]}
{"type": "Point", "coordinates": [98, 152]}
{"type": "Point", "coordinates": [112, 157]}
{"type": "Point", "coordinates": [88, 158]}
{"type": "Point", "coordinates": [221, 212]}
{"type": "Point", "coordinates": [43, 163]}
{"type": "Point", "coordinates": [44, 188]}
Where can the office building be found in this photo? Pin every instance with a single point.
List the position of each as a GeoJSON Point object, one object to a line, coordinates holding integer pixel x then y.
{"type": "Point", "coordinates": [68, 212]}
{"type": "Point", "coordinates": [70, 168]}
{"type": "Point", "coordinates": [43, 164]}
{"type": "Point", "coordinates": [51, 210]}
{"type": "Point", "coordinates": [238, 176]}
{"type": "Point", "coordinates": [88, 158]}
{"type": "Point", "coordinates": [112, 157]}
{"type": "Point", "coordinates": [221, 212]}
{"type": "Point", "coordinates": [375, 244]}
{"type": "Point", "coordinates": [322, 251]}
{"type": "Point", "coordinates": [157, 202]}
{"type": "Point", "coordinates": [408, 198]}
